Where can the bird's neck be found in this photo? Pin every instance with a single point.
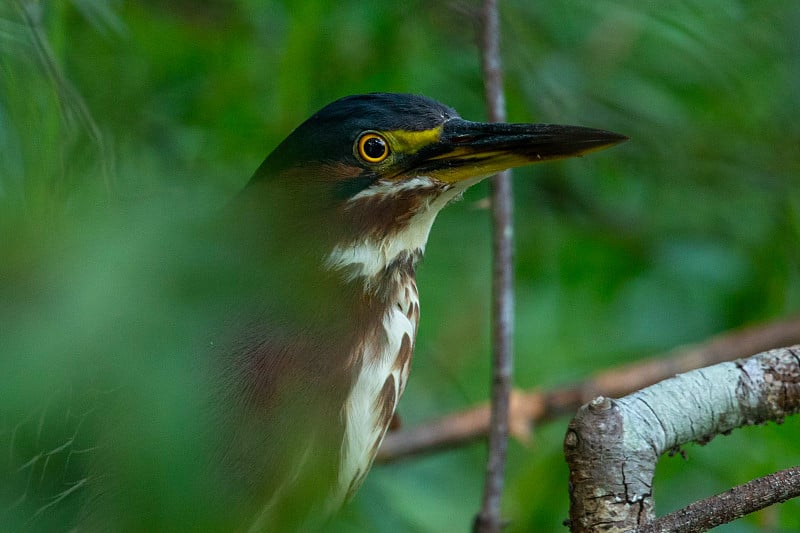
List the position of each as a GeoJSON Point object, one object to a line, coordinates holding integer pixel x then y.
{"type": "Point", "coordinates": [393, 236]}
{"type": "Point", "coordinates": [382, 361]}
{"type": "Point", "coordinates": [382, 262]}
{"type": "Point", "coordinates": [368, 260]}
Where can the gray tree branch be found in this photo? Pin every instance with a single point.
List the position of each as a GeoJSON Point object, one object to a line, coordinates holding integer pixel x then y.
{"type": "Point", "coordinates": [612, 446]}
{"type": "Point", "coordinates": [534, 406]}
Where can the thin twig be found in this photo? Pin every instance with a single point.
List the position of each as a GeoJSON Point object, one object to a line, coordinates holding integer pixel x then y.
{"type": "Point", "coordinates": [530, 407]}
{"type": "Point", "coordinates": [730, 505]}
{"type": "Point", "coordinates": [489, 519]}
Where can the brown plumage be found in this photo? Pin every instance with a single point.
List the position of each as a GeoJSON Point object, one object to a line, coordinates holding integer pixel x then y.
{"type": "Point", "coordinates": [312, 269]}
{"type": "Point", "coordinates": [321, 355]}
{"type": "Point", "coordinates": [331, 235]}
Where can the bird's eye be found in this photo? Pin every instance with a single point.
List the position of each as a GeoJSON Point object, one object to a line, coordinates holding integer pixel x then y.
{"type": "Point", "coordinates": [372, 148]}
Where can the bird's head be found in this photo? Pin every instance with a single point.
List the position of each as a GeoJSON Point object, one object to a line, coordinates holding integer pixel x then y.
{"type": "Point", "coordinates": [366, 175]}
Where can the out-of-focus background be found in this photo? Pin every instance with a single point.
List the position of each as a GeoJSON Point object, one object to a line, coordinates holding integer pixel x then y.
{"type": "Point", "coordinates": [124, 113]}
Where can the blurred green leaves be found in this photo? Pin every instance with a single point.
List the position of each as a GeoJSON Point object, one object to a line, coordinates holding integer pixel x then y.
{"type": "Point", "coordinates": [116, 118]}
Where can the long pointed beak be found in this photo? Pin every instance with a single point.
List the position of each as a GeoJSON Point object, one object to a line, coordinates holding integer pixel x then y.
{"type": "Point", "coordinates": [472, 150]}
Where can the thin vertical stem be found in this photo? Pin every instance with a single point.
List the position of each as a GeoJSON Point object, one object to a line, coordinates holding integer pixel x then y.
{"type": "Point", "coordinates": [489, 519]}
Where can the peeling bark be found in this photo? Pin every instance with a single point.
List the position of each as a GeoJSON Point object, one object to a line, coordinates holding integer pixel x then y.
{"type": "Point", "coordinates": [612, 446]}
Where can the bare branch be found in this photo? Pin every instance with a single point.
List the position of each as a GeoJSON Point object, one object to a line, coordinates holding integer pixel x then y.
{"type": "Point", "coordinates": [730, 505]}
{"type": "Point", "coordinates": [612, 446]}
{"type": "Point", "coordinates": [488, 519]}
{"type": "Point", "coordinates": [530, 407]}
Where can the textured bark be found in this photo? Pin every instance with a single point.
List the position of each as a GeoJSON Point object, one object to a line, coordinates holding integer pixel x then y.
{"type": "Point", "coordinates": [612, 446]}
{"type": "Point", "coordinates": [532, 406]}
{"type": "Point", "coordinates": [730, 505]}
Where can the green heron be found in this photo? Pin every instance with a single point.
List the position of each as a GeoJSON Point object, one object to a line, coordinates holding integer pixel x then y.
{"type": "Point", "coordinates": [336, 218]}
{"type": "Point", "coordinates": [315, 319]}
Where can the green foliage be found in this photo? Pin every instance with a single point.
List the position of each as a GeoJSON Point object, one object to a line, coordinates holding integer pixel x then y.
{"type": "Point", "coordinates": [118, 118]}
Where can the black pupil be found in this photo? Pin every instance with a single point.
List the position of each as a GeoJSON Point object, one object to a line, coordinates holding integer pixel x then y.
{"type": "Point", "coordinates": [374, 148]}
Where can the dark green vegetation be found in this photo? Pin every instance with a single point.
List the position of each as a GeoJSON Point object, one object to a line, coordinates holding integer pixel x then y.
{"type": "Point", "coordinates": [118, 119]}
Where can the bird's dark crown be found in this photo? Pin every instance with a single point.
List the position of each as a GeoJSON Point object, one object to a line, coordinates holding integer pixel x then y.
{"type": "Point", "coordinates": [374, 170]}
{"type": "Point", "coordinates": [329, 134]}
